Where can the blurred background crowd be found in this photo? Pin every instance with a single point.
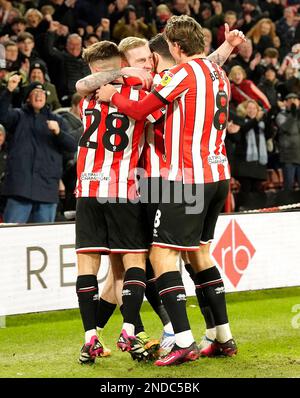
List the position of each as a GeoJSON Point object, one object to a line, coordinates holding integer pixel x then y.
{"type": "Point", "coordinates": [41, 43]}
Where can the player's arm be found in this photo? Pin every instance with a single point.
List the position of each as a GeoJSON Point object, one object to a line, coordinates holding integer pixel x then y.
{"type": "Point", "coordinates": [91, 83]}
{"type": "Point", "coordinates": [138, 110]}
{"type": "Point", "coordinates": [172, 85]}
{"type": "Point", "coordinates": [232, 39]}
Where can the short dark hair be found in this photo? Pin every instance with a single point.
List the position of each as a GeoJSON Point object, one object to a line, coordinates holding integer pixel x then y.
{"type": "Point", "coordinates": [101, 51]}
{"type": "Point", "coordinates": [159, 45]}
{"type": "Point", "coordinates": [187, 33]}
{"type": "Point", "coordinates": [24, 36]}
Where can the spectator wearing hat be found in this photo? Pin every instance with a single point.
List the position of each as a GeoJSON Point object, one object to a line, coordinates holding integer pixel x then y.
{"type": "Point", "coordinates": [37, 140]}
{"type": "Point", "coordinates": [37, 73]}
{"type": "Point", "coordinates": [288, 121]}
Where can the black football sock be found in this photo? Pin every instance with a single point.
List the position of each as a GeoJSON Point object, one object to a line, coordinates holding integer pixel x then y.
{"type": "Point", "coordinates": [105, 309]}
{"type": "Point", "coordinates": [138, 324]}
{"type": "Point", "coordinates": [133, 293]}
{"type": "Point", "coordinates": [205, 309]}
{"type": "Point", "coordinates": [172, 293]}
{"type": "Point", "coordinates": [190, 271]}
{"type": "Point", "coordinates": [87, 292]}
{"type": "Point", "coordinates": [212, 286]}
{"type": "Point", "coordinates": [203, 304]}
{"type": "Point", "coordinates": [152, 295]}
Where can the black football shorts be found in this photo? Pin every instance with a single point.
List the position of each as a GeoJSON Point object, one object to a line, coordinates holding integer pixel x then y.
{"type": "Point", "coordinates": [109, 227]}
{"type": "Point", "coordinates": [188, 214]}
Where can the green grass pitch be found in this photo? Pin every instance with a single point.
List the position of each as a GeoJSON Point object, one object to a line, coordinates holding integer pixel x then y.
{"type": "Point", "coordinates": [265, 328]}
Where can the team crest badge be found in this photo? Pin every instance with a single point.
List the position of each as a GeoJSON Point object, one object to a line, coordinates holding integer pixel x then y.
{"type": "Point", "coordinates": [167, 77]}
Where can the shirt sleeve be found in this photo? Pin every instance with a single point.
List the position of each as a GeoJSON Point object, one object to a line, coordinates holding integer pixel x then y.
{"type": "Point", "coordinates": [173, 84]}
{"type": "Point", "coordinates": [155, 115]}
{"type": "Point", "coordinates": [138, 110]}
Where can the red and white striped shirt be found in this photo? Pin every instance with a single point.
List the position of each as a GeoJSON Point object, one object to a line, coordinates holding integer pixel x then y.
{"type": "Point", "coordinates": [153, 159]}
{"type": "Point", "coordinates": [197, 96]}
{"type": "Point", "coordinates": [109, 148]}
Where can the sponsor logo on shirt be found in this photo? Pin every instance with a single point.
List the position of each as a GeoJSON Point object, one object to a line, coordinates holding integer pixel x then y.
{"type": "Point", "coordinates": [94, 177]}
{"type": "Point", "coordinates": [167, 77]}
{"type": "Point", "coordinates": [212, 159]}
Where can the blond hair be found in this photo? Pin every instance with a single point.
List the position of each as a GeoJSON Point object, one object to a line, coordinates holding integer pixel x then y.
{"type": "Point", "coordinates": [234, 70]}
{"type": "Point", "coordinates": [130, 43]}
{"type": "Point", "coordinates": [241, 109]}
{"type": "Point", "coordinates": [255, 32]}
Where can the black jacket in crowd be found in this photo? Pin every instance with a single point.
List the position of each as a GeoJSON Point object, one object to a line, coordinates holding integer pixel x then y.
{"type": "Point", "coordinates": [289, 137]}
{"type": "Point", "coordinates": [34, 164]}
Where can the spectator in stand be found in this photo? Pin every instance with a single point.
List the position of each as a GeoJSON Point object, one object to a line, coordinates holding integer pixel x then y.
{"type": "Point", "coordinates": [272, 8]}
{"type": "Point", "coordinates": [48, 11]}
{"type": "Point", "coordinates": [17, 26]}
{"type": "Point", "coordinates": [116, 11]}
{"type": "Point", "coordinates": [37, 74]}
{"type": "Point", "coordinates": [8, 13]}
{"type": "Point", "coordinates": [67, 66]}
{"type": "Point", "coordinates": [37, 25]}
{"type": "Point", "coordinates": [3, 159]}
{"type": "Point", "coordinates": [131, 26]}
{"type": "Point", "coordinates": [90, 39]}
{"type": "Point", "coordinates": [26, 46]}
{"type": "Point", "coordinates": [186, 7]}
{"type": "Point", "coordinates": [64, 12]}
{"type": "Point", "coordinates": [212, 16]}
{"type": "Point", "coordinates": [208, 38]}
{"type": "Point", "coordinates": [286, 28]}
{"type": "Point", "coordinates": [73, 120]}
{"type": "Point", "coordinates": [291, 84]}
{"type": "Point", "coordinates": [288, 121]}
{"type": "Point", "coordinates": [34, 165]}
{"type": "Point", "coordinates": [250, 15]}
{"type": "Point", "coordinates": [230, 17]}
{"type": "Point", "coordinates": [249, 165]}
{"type": "Point", "coordinates": [291, 60]}
{"type": "Point", "coordinates": [246, 59]}
{"type": "Point", "coordinates": [268, 85]}
{"type": "Point", "coordinates": [243, 89]}
{"type": "Point", "coordinates": [270, 58]}
{"type": "Point", "coordinates": [33, 18]}
{"type": "Point", "coordinates": [163, 13]}
{"type": "Point", "coordinates": [103, 29]}
{"type": "Point", "coordinates": [13, 63]}
{"type": "Point", "coordinates": [263, 35]}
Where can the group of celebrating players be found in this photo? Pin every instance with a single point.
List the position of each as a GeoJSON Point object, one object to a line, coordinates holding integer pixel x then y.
{"type": "Point", "coordinates": [152, 179]}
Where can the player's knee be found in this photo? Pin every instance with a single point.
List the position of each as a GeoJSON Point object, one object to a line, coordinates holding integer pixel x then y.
{"type": "Point", "coordinates": [88, 263]}
{"type": "Point", "coordinates": [134, 260]}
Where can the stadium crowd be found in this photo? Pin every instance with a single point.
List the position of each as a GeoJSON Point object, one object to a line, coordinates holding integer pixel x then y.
{"type": "Point", "coordinates": [42, 41]}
